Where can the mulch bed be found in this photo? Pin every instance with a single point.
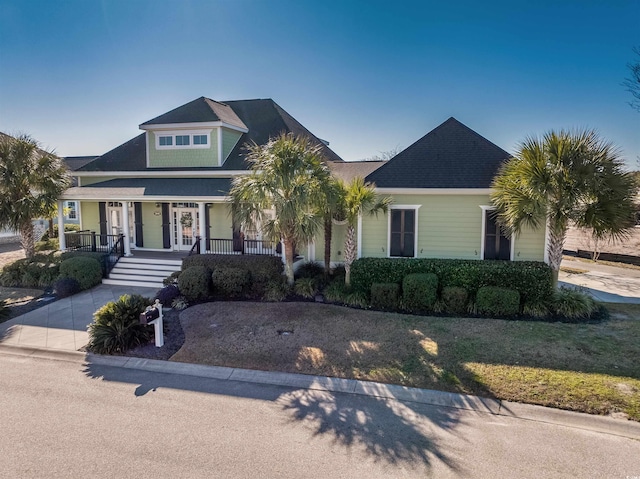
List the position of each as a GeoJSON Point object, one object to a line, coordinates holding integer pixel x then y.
{"type": "Point", "coordinates": [173, 339]}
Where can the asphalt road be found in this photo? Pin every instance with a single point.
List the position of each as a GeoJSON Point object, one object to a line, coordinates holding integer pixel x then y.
{"type": "Point", "coordinates": [71, 419]}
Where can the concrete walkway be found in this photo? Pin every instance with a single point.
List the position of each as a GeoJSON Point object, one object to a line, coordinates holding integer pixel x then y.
{"type": "Point", "coordinates": [609, 284]}
{"type": "Point", "coordinates": [62, 325]}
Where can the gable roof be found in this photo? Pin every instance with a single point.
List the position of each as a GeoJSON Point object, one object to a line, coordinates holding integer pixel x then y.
{"type": "Point", "coordinates": [451, 155]}
{"type": "Point", "coordinates": [197, 111]}
{"type": "Point", "coordinates": [348, 170]}
{"type": "Point", "coordinates": [264, 119]}
{"type": "Point", "coordinates": [76, 162]}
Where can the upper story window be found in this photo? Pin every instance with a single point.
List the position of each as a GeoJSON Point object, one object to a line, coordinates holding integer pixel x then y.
{"type": "Point", "coordinates": [72, 210]}
{"type": "Point", "coordinates": [165, 140]}
{"type": "Point", "coordinates": [182, 139]}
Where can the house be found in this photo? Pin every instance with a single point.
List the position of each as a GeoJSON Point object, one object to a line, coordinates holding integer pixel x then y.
{"type": "Point", "coordinates": [70, 208]}
{"type": "Point", "coordinates": [166, 190]}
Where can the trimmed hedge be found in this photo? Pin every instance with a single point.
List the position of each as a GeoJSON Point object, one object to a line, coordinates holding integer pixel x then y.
{"type": "Point", "coordinates": [385, 296]}
{"type": "Point", "coordinates": [496, 301]}
{"type": "Point", "coordinates": [231, 283]}
{"type": "Point", "coordinates": [263, 269]}
{"type": "Point", "coordinates": [100, 257]}
{"type": "Point", "coordinates": [195, 283]}
{"type": "Point", "coordinates": [65, 287]}
{"type": "Point", "coordinates": [455, 299]}
{"type": "Point", "coordinates": [419, 291]}
{"type": "Point", "coordinates": [532, 279]}
{"type": "Point", "coordinates": [86, 271]}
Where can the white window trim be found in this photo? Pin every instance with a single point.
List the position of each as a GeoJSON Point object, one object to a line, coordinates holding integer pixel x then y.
{"type": "Point", "coordinates": [189, 133]}
{"type": "Point", "coordinates": [75, 209]}
{"type": "Point", "coordinates": [415, 238]}
{"type": "Point", "coordinates": [512, 240]}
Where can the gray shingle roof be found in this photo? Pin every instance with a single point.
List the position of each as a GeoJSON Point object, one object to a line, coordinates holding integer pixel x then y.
{"type": "Point", "coordinates": [197, 111]}
{"type": "Point", "coordinates": [263, 118]}
{"type": "Point", "coordinates": [450, 156]}
{"type": "Point", "coordinates": [142, 187]}
{"type": "Point", "coordinates": [76, 162]}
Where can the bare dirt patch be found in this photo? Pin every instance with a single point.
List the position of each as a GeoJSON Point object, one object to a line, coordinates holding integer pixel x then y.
{"type": "Point", "coordinates": [9, 253]}
{"type": "Point", "coordinates": [579, 239]}
{"type": "Point", "coordinates": [21, 300]}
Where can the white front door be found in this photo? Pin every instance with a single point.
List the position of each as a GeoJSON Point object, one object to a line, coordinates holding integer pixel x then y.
{"type": "Point", "coordinates": [114, 222]}
{"type": "Point", "coordinates": [185, 228]}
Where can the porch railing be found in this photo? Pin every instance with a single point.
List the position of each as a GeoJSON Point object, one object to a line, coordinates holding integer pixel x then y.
{"type": "Point", "coordinates": [111, 245]}
{"type": "Point", "coordinates": [237, 246]}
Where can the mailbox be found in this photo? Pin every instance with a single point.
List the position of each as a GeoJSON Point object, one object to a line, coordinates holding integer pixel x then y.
{"type": "Point", "coordinates": [149, 315]}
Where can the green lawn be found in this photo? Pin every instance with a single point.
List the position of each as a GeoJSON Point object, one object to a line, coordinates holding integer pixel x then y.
{"type": "Point", "coordinates": [592, 368]}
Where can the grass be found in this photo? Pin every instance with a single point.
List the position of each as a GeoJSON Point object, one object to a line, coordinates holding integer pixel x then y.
{"type": "Point", "coordinates": [583, 367]}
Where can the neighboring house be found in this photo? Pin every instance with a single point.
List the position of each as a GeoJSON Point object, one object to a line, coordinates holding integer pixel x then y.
{"type": "Point", "coordinates": [170, 184]}
{"type": "Point", "coordinates": [71, 208]}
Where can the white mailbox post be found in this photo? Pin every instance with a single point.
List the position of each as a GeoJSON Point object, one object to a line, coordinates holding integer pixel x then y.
{"type": "Point", "coordinates": [155, 312]}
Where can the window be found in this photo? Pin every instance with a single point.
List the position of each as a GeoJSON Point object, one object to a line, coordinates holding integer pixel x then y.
{"type": "Point", "coordinates": [182, 140]}
{"type": "Point", "coordinates": [496, 244]}
{"type": "Point", "coordinates": [199, 139]}
{"type": "Point", "coordinates": [166, 140]}
{"type": "Point", "coordinates": [73, 212]}
{"type": "Point", "coordinates": [402, 233]}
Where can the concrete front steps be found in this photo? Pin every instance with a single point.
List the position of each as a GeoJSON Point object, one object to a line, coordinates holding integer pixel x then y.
{"type": "Point", "coordinates": [148, 272]}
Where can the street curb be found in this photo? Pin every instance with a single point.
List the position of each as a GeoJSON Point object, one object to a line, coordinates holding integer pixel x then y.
{"type": "Point", "coordinates": [531, 412]}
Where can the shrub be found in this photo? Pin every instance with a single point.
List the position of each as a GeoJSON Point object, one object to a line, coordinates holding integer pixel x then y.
{"type": "Point", "coordinates": [338, 272]}
{"type": "Point", "coordinates": [38, 272]}
{"type": "Point", "coordinates": [276, 291]}
{"type": "Point", "coordinates": [573, 304]}
{"type": "Point", "coordinates": [310, 270]}
{"type": "Point", "coordinates": [116, 326]}
{"type": "Point", "coordinates": [99, 257]}
{"type": "Point", "coordinates": [180, 303]}
{"type": "Point", "coordinates": [355, 299]}
{"type": "Point", "coordinates": [335, 291]}
{"type": "Point", "coordinates": [195, 283]}
{"type": "Point", "coordinates": [455, 299]}
{"type": "Point", "coordinates": [419, 291]}
{"type": "Point", "coordinates": [306, 287]}
{"type": "Point", "coordinates": [263, 269]}
{"type": "Point", "coordinates": [85, 270]}
{"type": "Point", "coordinates": [65, 287]}
{"type": "Point", "coordinates": [536, 309]}
{"type": "Point", "coordinates": [231, 282]}
{"type": "Point", "coordinates": [172, 278]}
{"type": "Point", "coordinates": [385, 295]}
{"type": "Point", "coordinates": [47, 245]}
{"type": "Point", "coordinates": [5, 311]}
{"type": "Point", "coordinates": [496, 301]}
{"type": "Point", "coordinates": [532, 279]}
{"type": "Point", "coordinates": [167, 294]}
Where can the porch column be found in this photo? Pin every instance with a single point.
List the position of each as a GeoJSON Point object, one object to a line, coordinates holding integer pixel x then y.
{"type": "Point", "coordinates": [202, 226]}
{"type": "Point", "coordinates": [125, 228]}
{"type": "Point", "coordinates": [62, 240]}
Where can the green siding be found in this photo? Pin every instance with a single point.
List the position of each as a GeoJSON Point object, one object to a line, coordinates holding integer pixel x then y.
{"type": "Point", "coordinates": [229, 140]}
{"type": "Point", "coordinates": [89, 215]}
{"type": "Point", "coordinates": [449, 226]}
{"type": "Point", "coordinates": [188, 157]}
{"type": "Point", "coordinates": [152, 226]}
{"type": "Point", "coordinates": [529, 245]}
{"type": "Point", "coordinates": [338, 234]}
{"type": "Point", "coordinates": [89, 180]}
{"type": "Point", "coordinates": [220, 221]}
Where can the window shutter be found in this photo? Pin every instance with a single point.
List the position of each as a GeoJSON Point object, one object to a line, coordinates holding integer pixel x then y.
{"type": "Point", "coordinates": [137, 219]}
{"type": "Point", "coordinates": [102, 221]}
{"type": "Point", "coordinates": [166, 226]}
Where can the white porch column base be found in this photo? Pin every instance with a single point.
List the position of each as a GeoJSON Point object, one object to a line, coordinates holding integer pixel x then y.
{"type": "Point", "coordinates": [125, 228]}
{"type": "Point", "coordinates": [202, 225]}
{"type": "Point", "coordinates": [62, 240]}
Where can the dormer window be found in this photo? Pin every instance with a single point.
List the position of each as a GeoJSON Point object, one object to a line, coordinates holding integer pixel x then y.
{"type": "Point", "coordinates": [181, 139]}
{"type": "Point", "coordinates": [165, 140]}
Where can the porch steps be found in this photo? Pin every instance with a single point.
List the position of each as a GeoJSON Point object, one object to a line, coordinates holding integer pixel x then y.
{"type": "Point", "coordinates": [149, 272]}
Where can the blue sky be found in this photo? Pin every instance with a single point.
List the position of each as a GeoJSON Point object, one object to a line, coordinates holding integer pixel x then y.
{"type": "Point", "coordinates": [368, 76]}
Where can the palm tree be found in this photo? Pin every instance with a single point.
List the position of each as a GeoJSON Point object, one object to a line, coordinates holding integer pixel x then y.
{"type": "Point", "coordinates": [288, 176]}
{"type": "Point", "coordinates": [333, 208]}
{"type": "Point", "coordinates": [563, 178]}
{"type": "Point", "coordinates": [32, 182]}
{"type": "Point", "coordinates": [359, 198]}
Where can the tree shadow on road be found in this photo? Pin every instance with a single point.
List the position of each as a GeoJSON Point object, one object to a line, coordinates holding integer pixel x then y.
{"type": "Point", "coordinates": [395, 432]}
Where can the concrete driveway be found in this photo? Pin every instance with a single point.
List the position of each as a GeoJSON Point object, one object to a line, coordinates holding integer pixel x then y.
{"type": "Point", "coordinates": [610, 284]}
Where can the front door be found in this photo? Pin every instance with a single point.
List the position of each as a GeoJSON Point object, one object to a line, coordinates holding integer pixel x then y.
{"type": "Point", "coordinates": [185, 228]}
{"type": "Point", "coordinates": [114, 221]}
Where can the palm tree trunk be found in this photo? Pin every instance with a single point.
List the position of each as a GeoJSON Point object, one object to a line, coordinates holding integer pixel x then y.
{"type": "Point", "coordinates": [349, 253]}
{"type": "Point", "coordinates": [26, 238]}
{"type": "Point", "coordinates": [289, 250]}
{"type": "Point", "coordinates": [554, 250]}
{"type": "Point", "coordinates": [328, 231]}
